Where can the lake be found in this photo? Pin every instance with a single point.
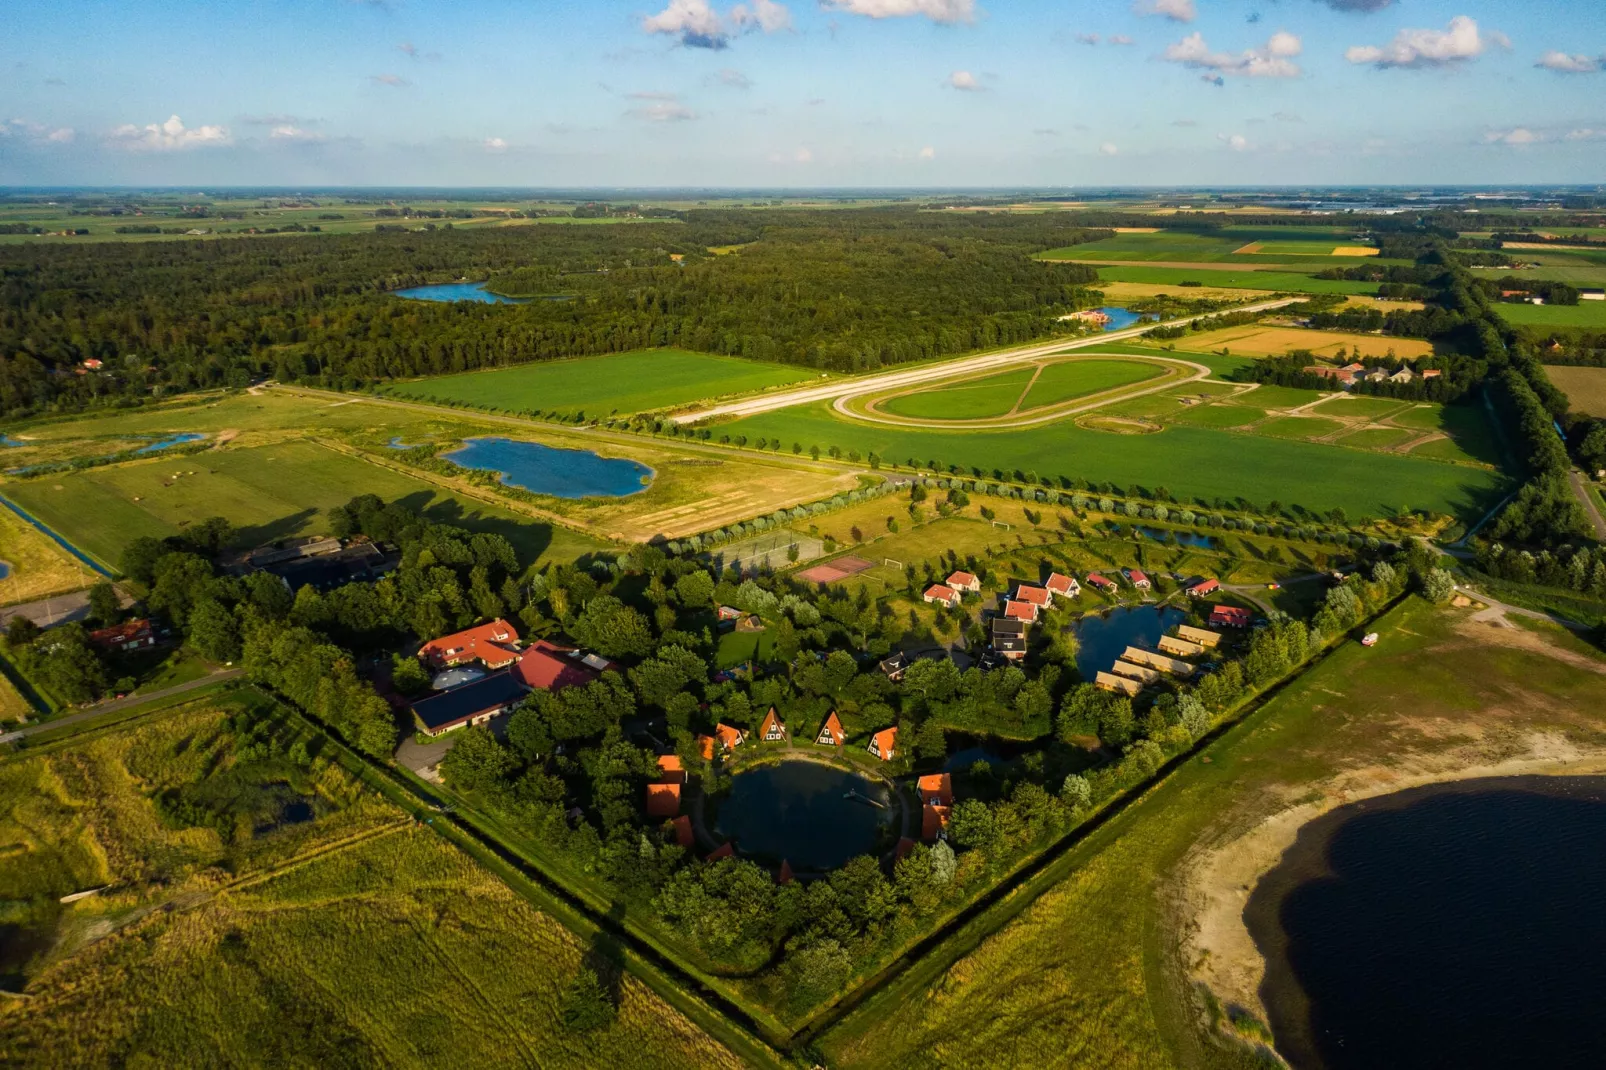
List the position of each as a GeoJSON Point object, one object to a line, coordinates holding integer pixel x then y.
{"type": "Point", "coordinates": [1101, 639]}
{"type": "Point", "coordinates": [1184, 538]}
{"type": "Point", "coordinates": [796, 810]}
{"type": "Point", "coordinates": [1457, 925]}
{"type": "Point", "coordinates": [1119, 317]}
{"type": "Point", "coordinates": [457, 291]}
{"type": "Point", "coordinates": [545, 470]}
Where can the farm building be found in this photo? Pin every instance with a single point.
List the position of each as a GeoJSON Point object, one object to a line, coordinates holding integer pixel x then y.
{"type": "Point", "coordinates": [451, 678]}
{"type": "Point", "coordinates": [772, 730]}
{"type": "Point", "coordinates": [474, 703]}
{"type": "Point", "coordinates": [942, 594]}
{"type": "Point", "coordinates": [1592, 295]}
{"type": "Point", "coordinates": [1204, 587]}
{"type": "Point", "coordinates": [1062, 586]}
{"type": "Point", "coordinates": [1105, 681]}
{"type": "Point", "coordinates": [1431, 373]}
{"type": "Point", "coordinates": [1141, 673]}
{"type": "Point", "coordinates": [964, 581]}
{"type": "Point", "coordinates": [1138, 656]}
{"type": "Point", "coordinates": [1229, 617]}
{"type": "Point", "coordinates": [1024, 611]}
{"type": "Point", "coordinates": [1202, 636]}
{"type": "Point", "coordinates": [894, 667]}
{"type": "Point", "coordinates": [1182, 648]}
{"type": "Point", "coordinates": [727, 613]}
{"type": "Point", "coordinates": [729, 738]}
{"type": "Point", "coordinates": [884, 744]}
{"type": "Point", "coordinates": [936, 789]}
{"type": "Point", "coordinates": [831, 734]}
{"type": "Point", "coordinates": [1034, 596]}
{"type": "Point", "coordinates": [495, 644]}
{"type": "Point", "coordinates": [130, 635]}
{"type": "Point", "coordinates": [1099, 582]}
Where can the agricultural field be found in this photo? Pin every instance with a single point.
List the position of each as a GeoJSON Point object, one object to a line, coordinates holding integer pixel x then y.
{"type": "Point", "coordinates": [1269, 340]}
{"type": "Point", "coordinates": [13, 707]}
{"type": "Point", "coordinates": [37, 566]}
{"type": "Point", "coordinates": [1019, 391]}
{"type": "Point", "coordinates": [1584, 387]}
{"type": "Point", "coordinates": [623, 383]}
{"type": "Point", "coordinates": [260, 906]}
{"type": "Point", "coordinates": [1585, 315]}
{"type": "Point", "coordinates": [1104, 966]}
{"type": "Point", "coordinates": [1234, 277]}
{"type": "Point", "coordinates": [1190, 461]}
{"type": "Point", "coordinates": [1273, 246]}
{"type": "Point", "coordinates": [1123, 293]}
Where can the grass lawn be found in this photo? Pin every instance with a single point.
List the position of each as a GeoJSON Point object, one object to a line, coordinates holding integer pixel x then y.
{"type": "Point", "coordinates": [1362, 407]}
{"type": "Point", "coordinates": [1298, 427]}
{"type": "Point", "coordinates": [1220, 415]}
{"type": "Point", "coordinates": [231, 944]}
{"type": "Point", "coordinates": [970, 399]}
{"type": "Point", "coordinates": [1586, 315]}
{"type": "Point", "coordinates": [1584, 387]}
{"type": "Point", "coordinates": [1378, 438]}
{"type": "Point", "coordinates": [1078, 378]}
{"type": "Point", "coordinates": [1101, 970]}
{"type": "Point", "coordinates": [38, 567]}
{"type": "Point", "coordinates": [1289, 281]}
{"type": "Point", "coordinates": [1281, 397]}
{"type": "Point", "coordinates": [620, 382]}
{"type": "Point", "coordinates": [1190, 461]}
{"type": "Point", "coordinates": [13, 707]}
{"type": "Point", "coordinates": [268, 492]}
{"type": "Point", "coordinates": [1472, 436]}
{"type": "Point", "coordinates": [737, 647]}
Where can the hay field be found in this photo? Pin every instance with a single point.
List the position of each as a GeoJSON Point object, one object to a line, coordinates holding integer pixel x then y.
{"type": "Point", "coordinates": [1584, 387]}
{"type": "Point", "coordinates": [1100, 969]}
{"type": "Point", "coordinates": [38, 566]}
{"type": "Point", "coordinates": [1268, 341]}
{"type": "Point", "coordinates": [1234, 276]}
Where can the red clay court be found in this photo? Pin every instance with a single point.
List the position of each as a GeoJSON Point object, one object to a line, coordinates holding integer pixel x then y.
{"type": "Point", "coordinates": [831, 571]}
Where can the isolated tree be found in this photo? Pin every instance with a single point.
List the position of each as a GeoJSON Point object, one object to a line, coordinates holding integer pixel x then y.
{"type": "Point", "coordinates": [104, 605]}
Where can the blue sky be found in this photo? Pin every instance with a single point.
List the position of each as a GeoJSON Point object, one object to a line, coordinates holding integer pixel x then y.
{"type": "Point", "coordinates": [803, 92]}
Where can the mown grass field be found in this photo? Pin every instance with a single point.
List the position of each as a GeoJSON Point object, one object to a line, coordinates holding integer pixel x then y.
{"type": "Point", "coordinates": [1221, 275]}
{"type": "Point", "coordinates": [1095, 971]}
{"type": "Point", "coordinates": [268, 492]}
{"type": "Point", "coordinates": [38, 567]}
{"type": "Point", "coordinates": [1584, 387]}
{"type": "Point", "coordinates": [1190, 461]}
{"type": "Point", "coordinates": [358, 938]}
{"type": "Point", "coordinates": [1585, 315]}
{"type": "Point", "coordinates": [598, 386]}
{"type": "Point", "coordinates": [1019, 390]}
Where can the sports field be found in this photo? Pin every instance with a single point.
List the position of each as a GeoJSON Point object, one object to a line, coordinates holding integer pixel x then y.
{"type": "Point", "coordinates": [1584, 387]}
{"type": "Point", "coordinates": [1190, 461]}
{"type": "Point", "coordinates": [1019, 391]}
{"type": "Point", "coordinates": [1587, 315]}
{"type": "Point", "coordinates": [639, 381]}
{"type": "Point", "coordinates": [1101, 969]}
{"type": "Point", "coordinates": [268, 492]}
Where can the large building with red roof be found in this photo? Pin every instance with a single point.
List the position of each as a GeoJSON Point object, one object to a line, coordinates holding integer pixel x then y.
{"type": "Point", "coordinates": [495, 644]}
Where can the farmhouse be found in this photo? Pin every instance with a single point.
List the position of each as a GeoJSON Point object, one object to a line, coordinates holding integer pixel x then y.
{"type": "Point", "coordinates": [1404, 375]}
{"type": "Point", "coordinates": [884, 744]}
{"type": "Point", "coordinates": [474, 703]}
{"type": "Point", "coordinates": [1034, 596]}
{"type": "Point", "coordinates": [831, 734]}
{"type": "Point", "coordinates": [936, 789]}
{"type": "Point", "coordinates": [964, 581]}
{"type": "Point", "coordinates": [729, 738]}
{"type": "Point", "coordinates": [772, 730]}
{"type": "Point", "coordinates": [1105, 681]}
{"type": "Point", "coordinates": [1431, 373]}
{"type": "Point", "coordinates": [941, 594]}
{"type": "Point", "coordinates": [1063, 586]}
{"type": "Point", "coordinates": [494, 644]}
{"type": "Point", "coordinates": [1204, 587]}
{"type": "Point", "coordinates": [131, 635]}
{"type": "Point", "coordinates": [1021, 611]}
{"type": "Point", "coordinates": [1138, 656]}
{"type": "Point", "coordinates": [1182, 648]}
{"type": "Point", "coordinates": [1099, 582]}
{"type": "Point", "coordinates": [894, 667]}
{"type": "Point", "coordinates": [1229, 617]}
{"type": "Point", "coordinates": [1202, 636]}
{"type": "Point", "coordinates": [1592, 295]}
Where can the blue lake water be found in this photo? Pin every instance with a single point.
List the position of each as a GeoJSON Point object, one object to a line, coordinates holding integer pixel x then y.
{"type": "Point", "coordinates": [7, 440]}
{"type": "Point", "coordinates": [804, 812]}
{"type": "Point", "coordinates": [560, 473]}
{"type": "Point", "coordinates": [1184, 538]}
{"type": "Point", "coordinates": [5, 570]}
{"type": "Point", "coordinates": [397, 444]}
{"type": "Point", "coordinates": [172, 440]}
{"type": "Point", "coordinates": [457, 291]}
{"type": "Point", "coordinates": [1101, 639]}
{"type": "Point", "coordinates": [1119, 317]}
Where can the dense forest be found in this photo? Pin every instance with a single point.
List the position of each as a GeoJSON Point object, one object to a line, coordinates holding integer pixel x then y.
{"type": "Point", "coordinates": [837, 290]}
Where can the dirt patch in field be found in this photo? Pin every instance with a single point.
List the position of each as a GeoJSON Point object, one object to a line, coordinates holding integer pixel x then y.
{"type": "Point", "coordinates": [1356, 250]}
{"type": "Point", "coordinates": [1136, 230]}
{"type": "Point", "coordinates": [1248, 250]}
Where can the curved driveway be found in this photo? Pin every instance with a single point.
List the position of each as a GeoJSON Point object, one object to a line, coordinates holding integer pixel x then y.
{"type": "Point", "coordinates": [942, 370]}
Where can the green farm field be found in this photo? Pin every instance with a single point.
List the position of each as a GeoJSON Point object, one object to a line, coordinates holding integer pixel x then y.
{"type": "Point", "coordinates": [1585, 315]}
{"type": "Point", "coordinates": [623, 382]}
{"type": "Point", "coordinates": [268, 492]}
{"type": "Point", "coordinates": [1237, 278]}
{"type": "Point", "coordinates": [1584, 387]}
{"type": "Point", "coordinates": [1101, 969]}
{"type": "Point", "coordinates": [1190, 461]}
{"type": "Point", "coordinates": [1020, 390]}
{"type": "Point", "coordinates": [1231, 245]}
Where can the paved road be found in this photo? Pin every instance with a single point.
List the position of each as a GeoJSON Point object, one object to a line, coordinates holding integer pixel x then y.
{"type": "Point", "coordinates": [58, 609]}
{"type": "Point", "coordinates": [1581, 488]}
{"type": "Point", "coordinates": [122, 704]}
{"type": "Point", "coordinates": [941, 370]}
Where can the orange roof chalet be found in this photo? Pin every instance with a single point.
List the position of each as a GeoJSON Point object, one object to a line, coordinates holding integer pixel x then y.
{"type": "Point", "coordinates": [772, 730]}
{"type": "Point", "coordinates": [1020, 611]}
{"type": "Point", "coordinates": [964, 581]}
{"type": "Point", "coordinates": [933, 821]}
{"type": "Point", "coordinates": [683, 833]}
{"type": "Point", "coordinates": [1065, 585]}
{"type": "Point", "coordinates": [663, 800]}
{"type": "Point", "coordinates": [729, 738]}
{"type": "Point", "coordinates": [831, 734]}
{"type": "Point", "coordinates": [724, 850]}
{"type": "Point", "coordinates": [884, 744]}
{"type": "Point", "coordinates": [670, 771]}
{"type": "Point", "coordinates": [936, 789]}
{"type": "Point", "coordinates": [941, 592]}
{"type": "Point", "coordinates": [491, 643]}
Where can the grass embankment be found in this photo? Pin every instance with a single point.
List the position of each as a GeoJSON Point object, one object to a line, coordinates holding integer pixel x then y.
{"type": "Point", "coordinates": [353, 936]}
{"type": "Point", "coordinates": [1191, 462]}
{"type": "Point", "coordinates": [637, 381]}
{"type": "Point", "coordinates": [1097, 970]}
{"type": "Point", "coordinates": [38, 567]}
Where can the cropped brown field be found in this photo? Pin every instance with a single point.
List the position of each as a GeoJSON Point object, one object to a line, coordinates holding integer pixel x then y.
{"type": "Point", "coordinates": [1270, 341]}
{"type": "Point", "coordinates": [1584, 387]}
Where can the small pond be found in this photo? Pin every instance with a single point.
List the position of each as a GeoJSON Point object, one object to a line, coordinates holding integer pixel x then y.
{"type": "Point", "coordinates": [171, 441]}
{"type": "Point", "coordinates": [1101, 638]}
{"type": "Point", "coordinates": [560, 473]}
{"type": "Point", "coordinates": [457, 291]}
{"type": "Point", "coordinates": [1120, 318]}
{"type": "Point", "coordinates": [814, 816]}
{"type": "Point", "coordinates": [965, 750]}
{"type": "Point", "coordinates": [1457, 925]}
{"type": "Point", "coordinates": [5, 570]}
{"type": "Point", "coordinates": [7, 440]}
{"type": "Point", "coordinates": [396, 443]}
{"type": "Point", "coordinates": [1184, 538]}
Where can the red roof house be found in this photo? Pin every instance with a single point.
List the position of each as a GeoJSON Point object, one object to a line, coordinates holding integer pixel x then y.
{"type": "Point", "coordinates": [1230, 617]}
{"type": "Point", "coordinates": [772, 730]}
{"type": "Point", "coordinates": [1020, 611]}
{"type": "Point", "coordinates": [939, 592]}
{"type": "Point", "coordinates": [663, 800]}
{"type": "Point", "coordinates": [491, 643]}
{"type": "Point", "coordinates": [683, 833]}
{"type": "Point", "coordinates": [1034, 596]}
{"type": "Point", "coordinates": [964, 581]}
{"type": "Point", "coordinates": [670, 771]}
{"type": "Point", "coordinates": [884, 744]}
{"type": "Point", "coordinates": [547, 666]}
{"type": "Point", "coordinates": [1139, 579]}
{"type": "Point", "coordinates": [936, 789]}
{"type": "Point", "coordinates": [831, 734]}
{"type": "Point", "coordinates": [1204, 587]}
{"type": "Point", "coordinates": [729, 738]}
{"type": "Point", "coordinates": [1063, 585]}
{"type": "Point", "coordinates": [131, 635]}
{"type": "Point", "coordinates": [933, 821]}
{"type": "Point", "coordinates": [1101, 582]}
{"type": "Point", "coordinates": [705, 746]}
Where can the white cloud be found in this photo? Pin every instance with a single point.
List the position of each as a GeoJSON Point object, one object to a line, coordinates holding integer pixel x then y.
{"type": "Point", "coordinates": [935, 10]}
{"type": "Point", "coordinates": [1235, 142]}
{"type": "Point", "coordinates": [664, 108]}
{"type": "Point", "coordinates": [766, 15]}
{"type": "Point", "coordinates": [289, 133]}
{"type": "Point", "coordinates": [495, 144]}
{"type": "Point", "coordinates": [1119, 39]}
{"type": "Point", "coordinates": [168, 136]}
{"type": "Point", "coordinates": [964, 80]}
{"type": "Point", "coordinates": [393, 80]}
{"type": "Point", "coordinates": [1272, 60]}
{"type": "Point", "coordinates": [1108, 149]}
{"type": "Point", "coordinates": [1586, 135]}
{"type": "Point", "coordinates": [1519, 136]}
{"type": "Point", "coordinates": [803, 156]}
{"type": "Point", "coordinates": [1459, 41]}
{"type": "Point", "coordinates": [1562, 63]}
{"type": "Point", "coordinates": [1087, 38]}
{"type": "Point", "coordinates": [693, 21]}
{"type": "Point", "coordinates": [1175, 10]}
{"type": "Point", "coordinates": [22, 128]}
{"type": "Point", "coordinates": [732, 78]}
{"type": "Point", "coordinates": [928, 153]}
{"type": "Point", "coordinates": [62, 135]}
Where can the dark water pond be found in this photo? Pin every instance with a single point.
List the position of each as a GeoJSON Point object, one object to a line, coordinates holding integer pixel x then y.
{"type": "Point", "coordinates": [1119, 318]}
{"type": "Point", "coordinates": [1450, 926]}
{"type": "Point", "coordinates": [171, 441]}
{"type": "Point", "coordinates": [802, 812]}
{"type": "Point", "coordinates": [5, 570]}
{"type": "Point", "coordinates": [560, 473]}
{"type": "Point", "coordinates": [1102, 638]}
{"type": "Point", "coordinates": [7, 440]}
{"type": "Point", "coordinates": [1184, 538]}
{"type": "Point", "coordinates": [458, 291]}
{"type": "Point", "coordinates": [965, 750]}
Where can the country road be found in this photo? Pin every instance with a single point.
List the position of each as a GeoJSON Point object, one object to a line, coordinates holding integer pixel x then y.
{"type": "Point", "coordinates": [122, 704]}
{"type": "Point", "coordinates": [1581, 489]}
{"type": "Point", "coordinates": [946, 369]}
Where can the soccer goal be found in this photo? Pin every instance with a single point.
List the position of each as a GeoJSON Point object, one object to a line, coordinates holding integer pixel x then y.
{"type": "Point", "coordinates": [890, 563]}
{"type": "Point", "coordinates": [1001, 524]}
